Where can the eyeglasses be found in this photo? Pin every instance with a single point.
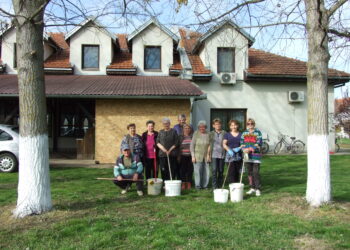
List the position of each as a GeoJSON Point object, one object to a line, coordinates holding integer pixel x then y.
{"type": "Point", "coordinates": [250, 123]}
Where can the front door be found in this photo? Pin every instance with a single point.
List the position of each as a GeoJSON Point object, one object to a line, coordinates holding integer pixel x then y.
{"type": "Point", "coordinates": [226, 115]}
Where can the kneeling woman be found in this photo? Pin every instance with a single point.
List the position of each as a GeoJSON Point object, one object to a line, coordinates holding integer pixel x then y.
{"type": "Point", "coordinates": [128, 169]}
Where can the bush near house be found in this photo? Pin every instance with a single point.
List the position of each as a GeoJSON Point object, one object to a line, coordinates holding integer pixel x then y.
{"type": "Point", "coordinates": [91, 214]}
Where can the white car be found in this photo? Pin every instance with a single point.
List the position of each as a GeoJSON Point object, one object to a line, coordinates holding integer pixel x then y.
{"type": "Point", "coordinates": [9, 136]}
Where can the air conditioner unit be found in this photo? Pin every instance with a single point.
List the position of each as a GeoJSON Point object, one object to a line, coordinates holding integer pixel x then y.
{"type": "Point", "coordinates": [227, 78]}
{"type": "Point", "coordinates": [295, 96]}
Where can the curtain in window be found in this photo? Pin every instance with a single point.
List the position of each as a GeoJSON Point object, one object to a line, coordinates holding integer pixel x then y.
{"type": "Point", "coordinates": [226, 60]}
{"type": "Point", "coordinates": [152, 58]}
{"type": "Point", "coordinates": [91, 56]}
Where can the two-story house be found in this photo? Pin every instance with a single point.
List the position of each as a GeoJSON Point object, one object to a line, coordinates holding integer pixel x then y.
{"type": "Point", "coordinates": [100, 81]}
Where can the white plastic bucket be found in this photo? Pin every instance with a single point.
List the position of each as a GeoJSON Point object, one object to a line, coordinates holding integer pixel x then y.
{"type": "Point", "coordinates": [154, 186]}
{"type": "Point", "coordinates": [172, 188]}
{"type": "Point", "coordinates": [220, 195]}
{"type": "Point", "coordinates": [236, 192]}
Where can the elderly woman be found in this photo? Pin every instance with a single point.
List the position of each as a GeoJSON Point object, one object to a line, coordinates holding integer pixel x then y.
{"type": "Point", "coordinates": [200, 152]}
{"type": "Point", "coordinates": [167, 142]}
{"type": "Point", "coordinates": [251, 141]}
{"type": "Point", "coordinates": [134, 141]}
{"type": "Point", "coordinates": [186, 165]}
{"type": "Point", "coordinates": [217, 153]}
{"type": "Point", "coordinates": [149, 139]}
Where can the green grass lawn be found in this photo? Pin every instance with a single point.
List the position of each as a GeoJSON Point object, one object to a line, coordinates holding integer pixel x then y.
{"type": "Point", "coordinates": [344, 143]}
{"type": "Point", "coordinates": [91, 214]}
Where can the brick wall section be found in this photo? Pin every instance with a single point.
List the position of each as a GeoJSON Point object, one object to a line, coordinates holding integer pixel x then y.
{"type": "Point", "coordinates": [112, 117]}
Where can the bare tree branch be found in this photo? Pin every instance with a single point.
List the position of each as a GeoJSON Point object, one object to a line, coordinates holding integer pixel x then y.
{"type": "Point", "coordinates": [336, 6]}
{"type": "Point", "coordinates": [339, 33]}
{"type": "Point", "coordinates": [230, 11]}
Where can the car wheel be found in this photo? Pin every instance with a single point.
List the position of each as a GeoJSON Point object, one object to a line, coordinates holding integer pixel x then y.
{"type": "Point", "coordinates": [8, 163]}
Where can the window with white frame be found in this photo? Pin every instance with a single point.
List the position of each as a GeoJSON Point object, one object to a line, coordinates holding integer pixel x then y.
{"type": "Point", "coordinates": [152, 58]}
{"type": "Point", "coordinates": [90, 57]}
{"type": "Point", "coordinates": [226, 60]}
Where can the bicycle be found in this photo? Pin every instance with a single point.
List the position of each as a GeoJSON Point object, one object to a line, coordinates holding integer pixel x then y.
{"type": "Point", "coordinates": [294, 146]}
{"type": "Point", "coordinates": [265, 147]}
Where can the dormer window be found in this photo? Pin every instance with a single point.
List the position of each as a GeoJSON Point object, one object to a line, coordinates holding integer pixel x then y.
{"type": "Point", "coordinates": [226, 60]}
{"type": "Point", "coordinates": [90, 57]}
{"type": "Point", "coordinates": [152, 58]}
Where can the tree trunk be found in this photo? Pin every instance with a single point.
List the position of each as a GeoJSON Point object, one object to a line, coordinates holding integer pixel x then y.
{"type": "Point", "coordinates": [318, 177]}
{"type": "Point", "coordinates": [34, 195]}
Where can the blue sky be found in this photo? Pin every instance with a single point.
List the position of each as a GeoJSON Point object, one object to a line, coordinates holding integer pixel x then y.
{"type": "Point", "coordinates": [289, 42]}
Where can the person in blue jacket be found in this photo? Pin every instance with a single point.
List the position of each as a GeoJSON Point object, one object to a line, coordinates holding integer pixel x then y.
{"type": "Point", "coordinates": [128, 169]}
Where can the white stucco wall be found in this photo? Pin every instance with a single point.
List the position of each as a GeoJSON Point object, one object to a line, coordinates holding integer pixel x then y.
{"type": "Point", "coordinates": [48, 50]}
{"type": "Point", "coordinates": [227, 36]}
{"type": "Point", "coordinates": [90, 36]}
{"type": "Point", "coordinates": [266, 102]}
{"type": "Point", "coordinates": [7, 51]}
{"type": "Point", "coordinates": [152, 36]}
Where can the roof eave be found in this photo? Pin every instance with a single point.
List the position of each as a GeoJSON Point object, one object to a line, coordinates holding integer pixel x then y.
{"type": "Point", "coordinates": [331, 79]}
{"type": "Point", "coordinates": [216, 28]}
{"type": "Point", "coordinates": [85, 22]}
{"type": "Point", "coordinates": [168, 97]}
{"type": "Point", "coordinates": [141, 28]}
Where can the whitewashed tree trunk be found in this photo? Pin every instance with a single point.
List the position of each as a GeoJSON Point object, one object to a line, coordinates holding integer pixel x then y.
{"type": "Point", "coordinates": [34, 195]}
{"type": "Point", "coordinates": [318, 189]}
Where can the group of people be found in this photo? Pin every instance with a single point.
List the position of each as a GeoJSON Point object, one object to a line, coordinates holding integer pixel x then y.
{"type": "Point", "coordinates": [181, 153]}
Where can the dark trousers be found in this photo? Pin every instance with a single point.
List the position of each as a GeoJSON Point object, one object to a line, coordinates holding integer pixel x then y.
{"type": "Point", "coordinates": [233, 172]}
{"type": "Point", "coordinates": [186, 168]}
{"type": "Point", "coordinates": [253, 171]}
{"type": "Point", "coordinates": [149, 168]}
{"type": "Point", "coordinates": [217, 172]}
{"type": "Point", "coordinates": [164, 168]}
{"type": "Point", "coordinates": [123, 184]}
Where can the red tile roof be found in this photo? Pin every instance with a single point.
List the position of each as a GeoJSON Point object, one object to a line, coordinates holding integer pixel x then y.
{"type": "Point", "coordinates": [82, 85]}
{"type": "Point", "coordinates": [59, 39]}
{"type": "Point", "coordinates": [122, 58]}
{"type": "Point", "coordinates": [122, 41]}
{"type": "Point", "coordinates": [265, 63]}
{"type": "Point", "coordinates": [188, 41]}
{"type": "Point", "coordinates": [177, 62]}
{"type": "Point", "coordinates": [59, 59]}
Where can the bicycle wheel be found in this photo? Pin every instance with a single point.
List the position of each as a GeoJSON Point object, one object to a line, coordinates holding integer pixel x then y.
{"type": "Point", "coordinates": [265, 147]}
{"type": "Point", "coordinates": [278, 148]}
{"type": "Point", "coordinates": [337, 147]}
{"type": "Point", "coordinates": [298, 147]}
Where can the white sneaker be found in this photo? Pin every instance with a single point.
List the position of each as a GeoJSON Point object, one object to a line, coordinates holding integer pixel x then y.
{"type": "Point", "coordinates": [258, 192]}
{"type": "Point", "coordinates": [140, 193]}
{"type": "Point", "coordinates": [124, 191]}
{"type": "Point", "coordinates": [251, 191]}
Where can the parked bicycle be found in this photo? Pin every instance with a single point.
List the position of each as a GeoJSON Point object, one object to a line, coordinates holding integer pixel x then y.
{"type": "Point", "coordinates": [293, 146]}
{"type": "Point", "coordinates": [265, 147]}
